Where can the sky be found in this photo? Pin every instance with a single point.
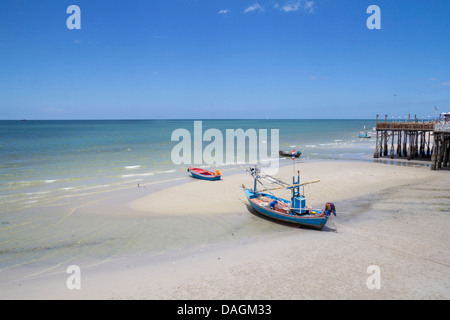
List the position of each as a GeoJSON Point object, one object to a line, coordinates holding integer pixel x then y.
{"type": "Point", "coordinates": [224, 59]}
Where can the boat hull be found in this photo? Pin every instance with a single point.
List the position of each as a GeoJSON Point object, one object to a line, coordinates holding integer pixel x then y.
{"type": "Point", "coordinates": [287, 154]}
{"type": "Point", "coordinates": [209, 177]}
{"type": "Point", "coordinates": [310, 221]}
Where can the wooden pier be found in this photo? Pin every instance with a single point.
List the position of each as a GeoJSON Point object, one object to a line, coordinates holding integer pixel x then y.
{"type": "Point", "coordinates": [414, 139]}
{"type": "Point", "coordinates": [441, 152]}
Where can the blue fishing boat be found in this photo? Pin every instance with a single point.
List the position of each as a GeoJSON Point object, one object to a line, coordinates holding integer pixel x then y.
{"type": "Point", "coordinates": [365, 134]}
{"type": "Point", "coordinates": [205, 174]}
{"type": "Point", "coordinates": [292, 211]}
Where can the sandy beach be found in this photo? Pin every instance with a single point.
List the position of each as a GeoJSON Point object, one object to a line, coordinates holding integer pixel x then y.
{"type": "Point", "coordinates": [394, 217]}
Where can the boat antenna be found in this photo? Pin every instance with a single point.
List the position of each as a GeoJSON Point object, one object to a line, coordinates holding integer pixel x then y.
{"type": "Point", "coordinates": [256, 178]}
{"type": "Point", "coordinates": [293, 166]}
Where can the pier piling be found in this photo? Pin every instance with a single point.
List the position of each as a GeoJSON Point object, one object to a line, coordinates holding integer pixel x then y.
{"type": "Point", "coordinates": [415, 139]}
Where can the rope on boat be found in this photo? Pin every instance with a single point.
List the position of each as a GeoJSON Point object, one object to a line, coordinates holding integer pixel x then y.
{"type": "Point", "coordinates": [266, 176]}
{"type": "Point", "coordinates": [293, 185]}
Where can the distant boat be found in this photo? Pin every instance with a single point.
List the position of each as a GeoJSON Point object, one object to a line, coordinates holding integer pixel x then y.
{"type": "Point", "coordinates": [205, 174]}
{"type": "Point", "coordinates": [365, 134]}
{"type": "Point", "coordinates": [294, 211]}
{"type": "Point", "coordinates": [289, 154]}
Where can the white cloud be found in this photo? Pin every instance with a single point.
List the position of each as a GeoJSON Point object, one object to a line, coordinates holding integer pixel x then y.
{"type": "Point", "coordinates": [292, 6]}
{"type": "Point", "coordinates": [224, 11]}
{"type": "Point", "coordinates": [309, 7]}
{"type": "Point", "coordinates": [254, 7]}
{"type": "Point", "coordinates": [446, 84]}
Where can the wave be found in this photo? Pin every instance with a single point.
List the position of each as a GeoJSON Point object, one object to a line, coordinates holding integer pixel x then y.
{"type": "Point", "coordinates": [167, 171]}
{"type": "Point", "coordinates": [132, 167]}
{"type": "Point", "coordinates": [137, 175]}
{"type": "Point", "coordinates": [27, 183]}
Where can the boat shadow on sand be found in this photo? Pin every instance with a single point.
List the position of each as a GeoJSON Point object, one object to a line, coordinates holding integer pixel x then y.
{"type": "Point", "coordinates": [284, 223]}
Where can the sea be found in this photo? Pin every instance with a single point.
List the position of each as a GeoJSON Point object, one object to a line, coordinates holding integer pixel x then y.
{"type": "Point", "coordinates": [41, 160]}
{"type": "Point", "coordinates": [50, 169]}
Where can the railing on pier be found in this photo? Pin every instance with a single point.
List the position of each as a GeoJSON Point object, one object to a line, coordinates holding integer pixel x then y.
{"type": "Point", "coordinates": [413, 126]}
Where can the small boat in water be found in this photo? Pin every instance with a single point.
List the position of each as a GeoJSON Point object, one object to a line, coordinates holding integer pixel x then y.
{"type": "Point", "coordinates": [365, 134]}
{"type": "Point", "coordinates": [205, 174]}
{"type": "Point", "coordinates": [289, 154]}
{"type": "Point", "coordinates": [294, 211]}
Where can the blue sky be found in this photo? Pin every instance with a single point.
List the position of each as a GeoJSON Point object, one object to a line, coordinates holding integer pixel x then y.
{"type": "Point", "coordinates": [146, 59]}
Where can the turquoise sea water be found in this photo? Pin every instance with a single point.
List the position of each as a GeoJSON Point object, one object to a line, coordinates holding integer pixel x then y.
{"type": "Point", "coordinates": [65, 185]}
{"type": "Point", "coordinates": [41, 160]}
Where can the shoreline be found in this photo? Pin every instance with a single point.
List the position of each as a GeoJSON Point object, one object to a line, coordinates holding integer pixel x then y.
{"type": "Point", "coordinates": [219, 246]}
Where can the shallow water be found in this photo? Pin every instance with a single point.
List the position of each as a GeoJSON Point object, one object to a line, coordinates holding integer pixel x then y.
{"type": "Point", "coordinates": [63, 185]}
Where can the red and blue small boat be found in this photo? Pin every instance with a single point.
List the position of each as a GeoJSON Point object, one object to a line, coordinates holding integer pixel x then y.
{"type": "Point", "coordinates": [205, 174]}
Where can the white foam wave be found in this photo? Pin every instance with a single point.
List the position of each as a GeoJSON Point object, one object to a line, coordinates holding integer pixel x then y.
{"type": "Point", "coordinates": [137, 175]}
{"type": "Point", "coordinates": [132, 167]}
{"type": "Point", "coordinates": [168, 171]}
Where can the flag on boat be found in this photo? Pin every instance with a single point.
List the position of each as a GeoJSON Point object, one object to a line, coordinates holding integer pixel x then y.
{"type": "Point", "coordinates": [293, 154]}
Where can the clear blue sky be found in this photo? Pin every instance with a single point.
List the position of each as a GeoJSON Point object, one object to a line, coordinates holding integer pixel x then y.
{"type": "Point", "coordinates": [145, 59]}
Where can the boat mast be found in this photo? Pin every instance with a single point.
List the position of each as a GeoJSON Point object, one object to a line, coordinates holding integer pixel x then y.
{"type": "Point", "coordinates": [295, 186]}
{"type": "Point", "coordinates": [255, 175]}
{"type": "Point", "coordinates": [295, 200]}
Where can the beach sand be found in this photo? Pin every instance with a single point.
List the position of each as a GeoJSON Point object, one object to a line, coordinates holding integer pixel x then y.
{"type": "Point", "coordinates": [394, 217]}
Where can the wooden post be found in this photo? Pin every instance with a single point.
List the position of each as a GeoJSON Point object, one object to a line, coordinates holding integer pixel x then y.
{"type": "Point", "coordinates": [416, 144]}
{"type": "Point", "coordinates": [385, 143]}
{"type": "Point", "coordinates": [422, 144]}
{"type": "Point", "coordinates": [448, 150]}
{"type": "Point", "coordinates": [433, 157]}
{"type": "Point", "coordinates": [445, 151]}
{"type": "Point", "coordinates": [409, 152]}
{"type": "Point", "coordinates": [392, 144]}
{"type": "Point", "coordinates": [381, 144]}
{"type": "Point", "coordinates": [405, 141]}
{"type": "Point", "coordinates": [439, 152]}
{"type": "Point", "coordinates": [375, 154]}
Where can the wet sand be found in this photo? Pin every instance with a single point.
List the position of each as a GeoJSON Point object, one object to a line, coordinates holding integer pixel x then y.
{"type": "Point", "coordinates": [200, 240]}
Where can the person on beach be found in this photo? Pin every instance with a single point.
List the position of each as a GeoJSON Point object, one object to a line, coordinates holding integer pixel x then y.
{"type": "Point", "coordinates": [330, 208]}
{"type": "Point", "coordinates": [272, 204]}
